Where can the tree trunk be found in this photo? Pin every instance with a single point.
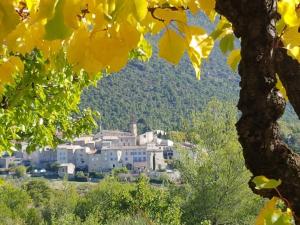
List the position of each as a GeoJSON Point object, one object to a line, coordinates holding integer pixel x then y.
{"type": "Point", "coordinates": [260, 103]}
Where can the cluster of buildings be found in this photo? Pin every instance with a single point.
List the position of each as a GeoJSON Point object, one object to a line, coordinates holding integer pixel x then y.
{"type": "Point", "coordinates": [103, 152]}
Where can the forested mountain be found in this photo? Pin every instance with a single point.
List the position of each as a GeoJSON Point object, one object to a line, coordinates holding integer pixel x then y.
{"type": "Point", "coordinates": [159, 93]}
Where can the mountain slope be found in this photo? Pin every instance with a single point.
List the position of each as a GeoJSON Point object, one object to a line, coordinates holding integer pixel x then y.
{"type": "Point", "coordinates": [158, 93]}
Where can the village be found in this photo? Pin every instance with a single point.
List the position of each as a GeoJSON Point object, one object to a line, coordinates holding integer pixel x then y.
{"type": "Point", "coordinates": [100, 153]}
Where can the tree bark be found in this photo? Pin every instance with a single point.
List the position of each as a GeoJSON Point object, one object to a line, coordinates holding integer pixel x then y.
{"type": "Point", "coordinates": [288, 70]}
{"type": "Point", "coordinates": [260, 102]}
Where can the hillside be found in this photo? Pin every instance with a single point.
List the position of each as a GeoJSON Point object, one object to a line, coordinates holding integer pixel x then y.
{"type": "Point", "coordinates": [160, 95]}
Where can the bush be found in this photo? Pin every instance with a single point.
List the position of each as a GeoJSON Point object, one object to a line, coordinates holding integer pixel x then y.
{"type": "Point", "coordinates": [20, 171]}
{"type": "Point", "coordinates": [97, 175]}
{"type": "Point", "coordinates": [54, 167]}
{"type": "Point", "coordinates": [80, 176]}
{"type": "Point", "coordinates": [117, 171]}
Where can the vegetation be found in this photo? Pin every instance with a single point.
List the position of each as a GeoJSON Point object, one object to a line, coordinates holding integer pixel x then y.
{"type": "Point", "coordinates": [108, 203]}
{"type": "Point", "coordinates": [20, 171]}
{"type": "Point", "coordinates": [49, 49]}
{"type": "Point", "coordinates": [159, 94]}
{"type": "Point", "coordinates": [213, 189]}
{"type": "Point", "coordinates": [215, 175]}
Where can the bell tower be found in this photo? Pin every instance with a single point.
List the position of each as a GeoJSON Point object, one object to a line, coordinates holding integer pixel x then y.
{"type": "Point", "coordinates": [133, 126]}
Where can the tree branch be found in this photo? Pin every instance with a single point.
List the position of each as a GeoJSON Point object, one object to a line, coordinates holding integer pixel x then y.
{"type": "Point", "coordinates": [288, 70]}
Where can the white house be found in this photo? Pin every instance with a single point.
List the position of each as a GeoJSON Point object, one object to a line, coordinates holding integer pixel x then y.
{"type": "Point", "coordinates": [66, 169]}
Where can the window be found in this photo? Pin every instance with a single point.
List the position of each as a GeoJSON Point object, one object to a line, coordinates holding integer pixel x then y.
{"type": "Point", "coordinates": [126, 159]}
{"type": "Point", "coordinates": [140, 153]}
{"type": "Point", "coordinates": [144, 159]}
{"type": "Point", "coordinates": [111, 159]}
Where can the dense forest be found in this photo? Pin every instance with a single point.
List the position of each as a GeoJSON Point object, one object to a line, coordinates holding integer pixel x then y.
{"type": "Point", "coordinates": [158, 93]}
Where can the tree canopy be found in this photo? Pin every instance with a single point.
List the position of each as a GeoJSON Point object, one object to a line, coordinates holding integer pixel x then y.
{"type": "Point", "coordinates": [51, 49]}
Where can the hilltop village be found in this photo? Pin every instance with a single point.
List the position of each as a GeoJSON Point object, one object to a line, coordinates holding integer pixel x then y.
{"type": "Point", "coordinates": [100, 153]}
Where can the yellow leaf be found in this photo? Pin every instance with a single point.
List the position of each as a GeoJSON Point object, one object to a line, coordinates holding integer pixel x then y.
{"type": "Point", "coordinates": [17, 63]}
{"type": "Point", "coordinates": [272, 213]}
{"type": "Point", "coordinates": [223, 28]}
{"type": "Point", "coordinates": [199, 41]}
{"type": "Point", "coordinates": [130, 35]}
{"type": "Point", "coordinates": [152, 25]}
{"type": "Point", "coordinates": [196, 62]}
{"type": "Point", "coordinates": [49, 48]}
{"type": "Point", "coordinates": [171, 46]}
{"type": "Point", "coordinates": [199, 46]}
{"type": "Point", "coordinates": [208, 6]}
{"type": "Point", "coordinates": [234, 58]}
{"type": "Point", "coordinates": [71, 10]}
{"type": "Point", "coordinates": [291, 36]}
{"type": "Point", "coordinates": [46, 9]}
{"type": "Point", "coordinates": [140, 9]}
{"type": "Point", "coordinates": [32, 4]}
{"type": "Point", "coordinates": [9, 68]}
{"type": "Point", "coordinates": [194, 6]}
{"type": "Point", "coordinates": [281, 88]}
{"type": "Point", "coordinates": [266, 211]}
{"type": "Point", "coordinates": [78, 45]}
{"type": "Point", "coordinates": [100, 17]}
{"type": "Point", "coordinates": [168, 15]}
{"type": "Point", "coordinates": [25, 37]}
{"type": "Point", "coordinates": [294, 52]}
{"type": "Point", "coordinates": [111, 52]}
{"type": "Point", "coordinates": [8, 17]}
{"type": "Point", "coordinates": [287, 9]}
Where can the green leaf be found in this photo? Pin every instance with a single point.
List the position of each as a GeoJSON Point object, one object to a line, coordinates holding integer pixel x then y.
{"type": "Point", "coordinates": [143, 52]}
{"type": "Point", "coordinates": [221, 29]}
{"type": "Point", "coordinates": [262, 182]}
{"type": "Point", "coordinates": [227, 43]}
{"type": "Point", "coordinates": [55, 27]}
{"type": "Point", "coordinates": [234, 58]}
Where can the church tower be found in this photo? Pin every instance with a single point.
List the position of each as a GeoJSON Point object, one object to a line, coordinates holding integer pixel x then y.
{"type": "Point", "coordinates": [133, 126]}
